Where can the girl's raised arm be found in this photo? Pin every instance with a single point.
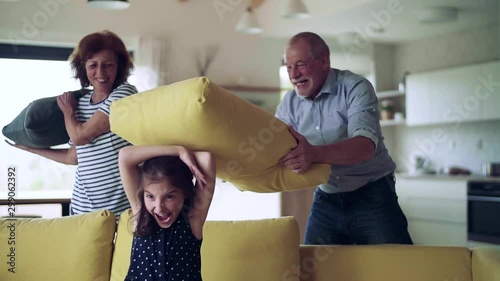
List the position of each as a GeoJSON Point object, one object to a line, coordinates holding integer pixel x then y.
{"type": "Point", "coordinates": [130, 157]}
{"type": "Point", "coordinates": [204, 192]}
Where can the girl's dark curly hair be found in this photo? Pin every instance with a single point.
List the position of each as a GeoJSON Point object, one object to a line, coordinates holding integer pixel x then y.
{"type": "Point", "coordinates": [163, 168]}
{"type": "Point", "coordinates": [94, 43]}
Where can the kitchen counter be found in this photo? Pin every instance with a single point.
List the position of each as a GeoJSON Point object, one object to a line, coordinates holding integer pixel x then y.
{"type": "Point", "coordinates": [38, 197]}
{"type": "Point", "coordinates": [436, 206]}
{"type": "Point", "coordinates": [446, 177]}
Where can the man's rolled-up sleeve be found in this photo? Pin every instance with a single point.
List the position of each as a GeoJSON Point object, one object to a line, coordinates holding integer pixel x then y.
{"type": "Point", "coordinates": [362, 112]}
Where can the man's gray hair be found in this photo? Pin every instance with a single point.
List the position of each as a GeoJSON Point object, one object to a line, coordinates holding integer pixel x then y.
{"type": "Point", "coordinates": [317, 46]}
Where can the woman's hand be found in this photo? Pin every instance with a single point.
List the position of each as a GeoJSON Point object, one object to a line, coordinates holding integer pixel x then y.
{"type": "Point", "coordinates": [66, 102]}
{"type": "Point", "coordinates": [63, 155]}
{"type": "Point", "coordinates": [23, 147]}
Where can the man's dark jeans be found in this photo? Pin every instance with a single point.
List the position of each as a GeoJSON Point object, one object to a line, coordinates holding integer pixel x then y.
{"type": "Point", "coordinates": [368, 215]}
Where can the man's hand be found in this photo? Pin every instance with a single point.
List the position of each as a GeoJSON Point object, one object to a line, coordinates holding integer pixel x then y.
{"type": "Point", "coordinates": [301, 157]}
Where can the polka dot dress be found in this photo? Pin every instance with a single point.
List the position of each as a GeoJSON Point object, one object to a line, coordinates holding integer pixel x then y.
{"type": "Point", "coordinates": [171, 254]}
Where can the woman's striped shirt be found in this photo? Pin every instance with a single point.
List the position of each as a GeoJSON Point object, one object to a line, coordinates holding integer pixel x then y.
{"type": "Point", "coordinates": [97, 181]}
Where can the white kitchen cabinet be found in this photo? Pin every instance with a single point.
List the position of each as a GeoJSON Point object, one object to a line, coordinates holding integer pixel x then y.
{"type": "Point", "coordinates": [442, 96]}
{"type": "Point", "coordinates": [436, 210]}
{"type": "Point", "coordinates": [488, 90]}
{"type": "Point", "coordinates": [454, 95]}
{"type": "Point", "coordinates": [392, 122]}
{"type": "Point", "coordinates": [418, 99]}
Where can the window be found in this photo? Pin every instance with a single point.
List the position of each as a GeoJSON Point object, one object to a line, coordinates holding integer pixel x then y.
{"type": "Point", "coordinates": [285, 83]}
{"type": "Point", "coordinates": [29, 73]}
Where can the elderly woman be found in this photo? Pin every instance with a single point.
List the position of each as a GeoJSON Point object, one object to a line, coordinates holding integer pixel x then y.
{"type": "Point", "coordinates": [101, 61]}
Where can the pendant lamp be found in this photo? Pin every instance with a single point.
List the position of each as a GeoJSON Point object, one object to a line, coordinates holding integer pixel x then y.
{"type": "Point", "coordinates": [248, 23]}
{"type": "Point", "coordinates": [295, 9]}
{"type": "Point", "coordinates": [109, 4]}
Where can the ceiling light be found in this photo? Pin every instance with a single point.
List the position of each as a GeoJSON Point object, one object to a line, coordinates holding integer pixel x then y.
{"type": "Point", "coordinates": [248, 23]}
{"type": "Point", "coordinates": [295, 9]}
{"type": "Point", "coordinates": [437, 14]}
{"type": "Point", "coordinates": [109, 4]}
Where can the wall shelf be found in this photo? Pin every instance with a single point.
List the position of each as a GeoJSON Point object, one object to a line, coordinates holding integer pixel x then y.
{"type": "Point", "coordinates": [256, 89]}
{"type": "Point", "coordinates": [390, 94]}
{"type": "Point", "coordinates": [264, 97]}
{"type": "Point", "coordinates": [398, 100]}
{"type": "Point", "coordinates": [385, 123]}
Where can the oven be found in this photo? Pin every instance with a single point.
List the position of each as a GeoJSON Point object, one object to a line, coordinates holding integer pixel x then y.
{"type": "Point", "coordinates": [483, 209]}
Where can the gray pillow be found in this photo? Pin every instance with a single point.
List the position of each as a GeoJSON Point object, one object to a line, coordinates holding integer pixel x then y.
{"type": "Point", "coordinates": [40, 124]}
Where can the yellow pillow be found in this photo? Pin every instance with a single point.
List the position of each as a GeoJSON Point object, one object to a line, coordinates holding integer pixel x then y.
{"type": "Point", "coordinates": [246, 140]}
{"type": "Point", "coordinates": [123, 247]}
{"type": "Point", "coordinates": [76, 248]}
{"type": "Point", "coordinates": [249, 250]}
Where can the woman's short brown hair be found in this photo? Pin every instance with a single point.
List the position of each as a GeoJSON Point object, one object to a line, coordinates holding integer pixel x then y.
{"type": "Point", "coordinates": [94, 43]}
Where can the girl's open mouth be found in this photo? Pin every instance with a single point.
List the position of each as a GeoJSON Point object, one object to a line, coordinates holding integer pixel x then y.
{"type": "Point", "coordinates": [164, 218]}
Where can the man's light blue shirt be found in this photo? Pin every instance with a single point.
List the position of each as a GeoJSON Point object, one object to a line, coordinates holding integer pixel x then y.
{"type": "Point", "coordinates": [345, 107]}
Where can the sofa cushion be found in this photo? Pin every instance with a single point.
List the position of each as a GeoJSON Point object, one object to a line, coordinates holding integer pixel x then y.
{"type": "Point", "coordinates": [485, 264]}
{"type": "Point", "coordinates": [40, 124]}
{"type": "Point", "coordinates": [76, 248]}
{"type": "Point", "coordinates": [123, 247]}
{"type": "Point", "coordinates": [382, 263]}
{"type": "Point", "coordinates": [249, 250]}
{"type": "Point", "coordinates": [231, 250]}
{"type": "Point", "coordinates": [246, 140]}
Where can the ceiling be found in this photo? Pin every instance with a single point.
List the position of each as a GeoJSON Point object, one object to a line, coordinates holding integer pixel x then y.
{"type": "Point", "coordinates": [397, 18]}
{"type": "Point", "coordinates": [27, 20]}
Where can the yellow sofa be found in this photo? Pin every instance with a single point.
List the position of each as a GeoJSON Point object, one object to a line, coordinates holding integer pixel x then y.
{"type": "Point", "coordinates": [91, 247]}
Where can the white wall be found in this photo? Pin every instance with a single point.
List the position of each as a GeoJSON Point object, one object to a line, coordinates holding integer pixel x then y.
{"type": "Point", "coordinates": [449, 50]}
{"type": "Point", "coordinates": [383, 56]}
{"type": "Point", "coordinates": [461, 48]}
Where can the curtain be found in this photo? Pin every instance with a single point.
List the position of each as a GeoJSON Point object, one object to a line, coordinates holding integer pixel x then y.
{"type": "Point", "coordinates": [151, 63]}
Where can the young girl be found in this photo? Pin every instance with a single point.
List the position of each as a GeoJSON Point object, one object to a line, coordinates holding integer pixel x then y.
{"type": "Point", "coordinates": [169, 209]}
